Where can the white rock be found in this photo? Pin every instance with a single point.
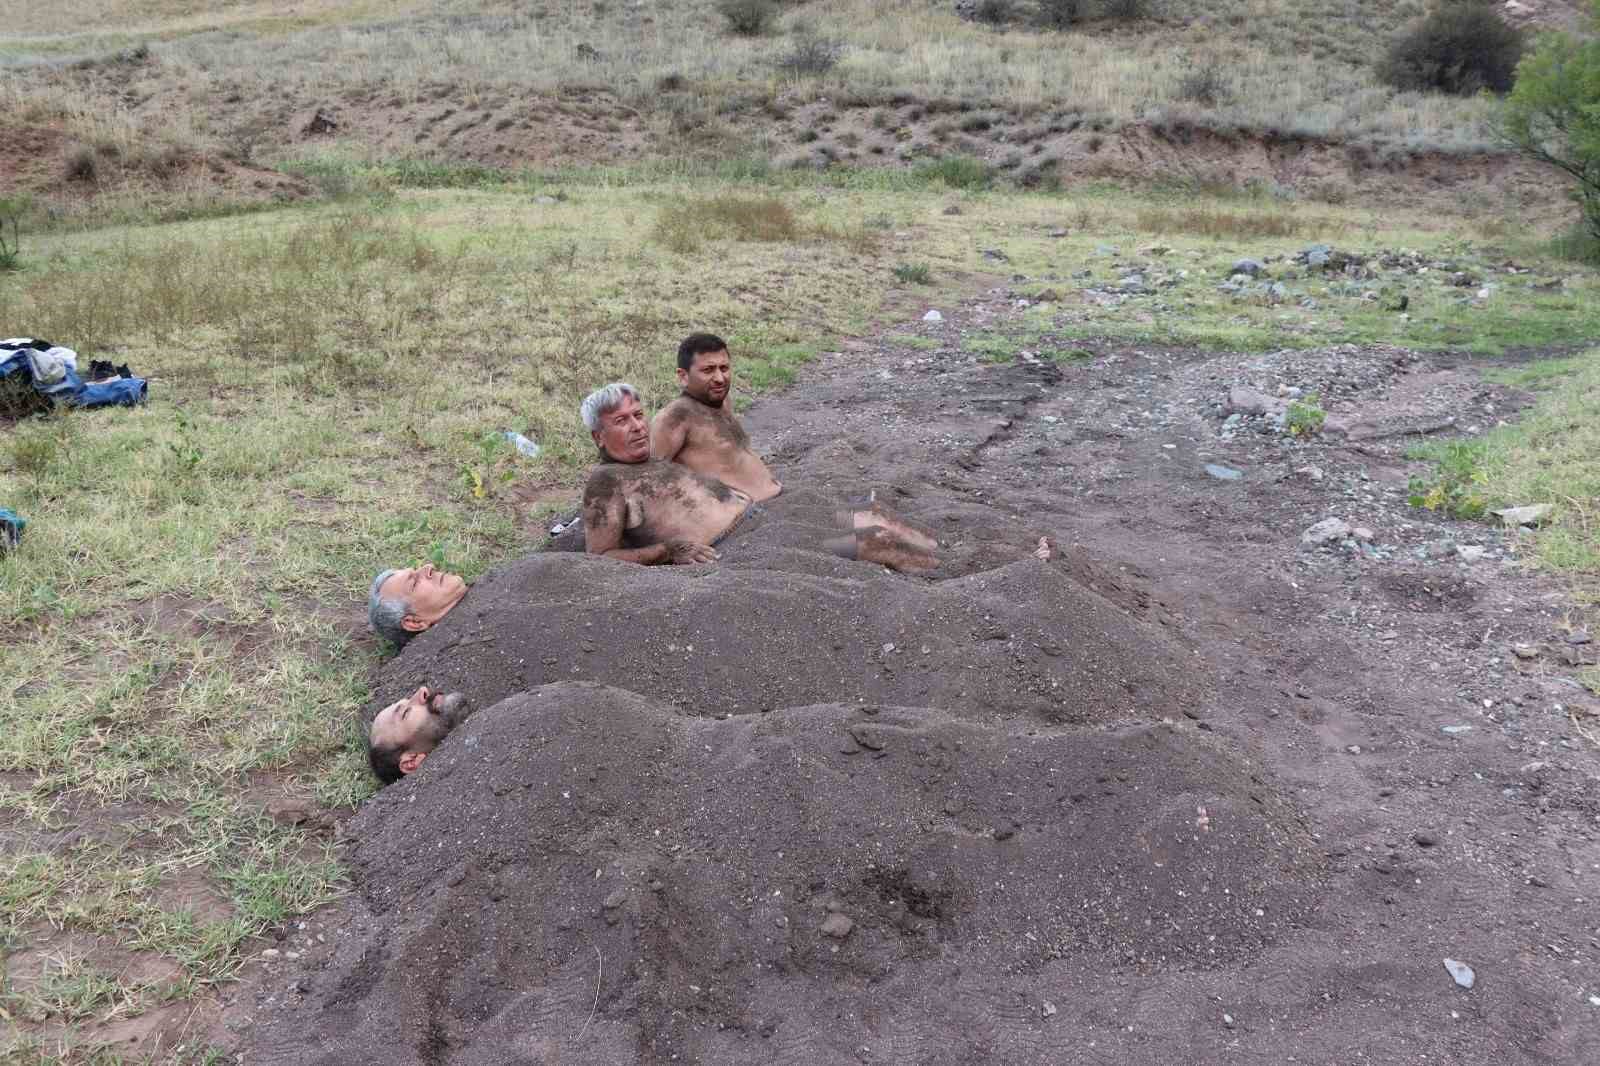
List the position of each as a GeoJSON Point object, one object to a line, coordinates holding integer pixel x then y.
{"type": "Point", "coordinates": [1325, 532]}
{"type": "Point", "coordinates": [933, 316]}
{"type": "Point", "coordinates": [1461, 972]}
{"type": "Point", "coordinates": [1470, 553]}
{"type": "Point", "coordinates": [1362, 533]}
{"type": "Point", "coordinates": [1531, 515]}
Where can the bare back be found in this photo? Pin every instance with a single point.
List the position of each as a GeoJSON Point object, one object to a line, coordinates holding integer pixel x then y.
{"type": "Point", "coordinates": [629, 507]}
{"type": "Point", "coordinates": [709, 440]}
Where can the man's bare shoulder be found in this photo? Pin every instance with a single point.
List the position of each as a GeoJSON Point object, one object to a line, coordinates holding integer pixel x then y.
{"type": "Point", "coordinates": [682, 409]}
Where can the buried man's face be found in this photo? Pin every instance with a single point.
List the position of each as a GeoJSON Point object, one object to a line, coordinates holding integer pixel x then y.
{"type": "Point", "coordinates": [429, 591]}
{"type": "Point", "coordinates": [709, 379]}
{"type": "Point", "coordinates": [415, 725]}
{"type": "Point", "coordinates": [624, 433]}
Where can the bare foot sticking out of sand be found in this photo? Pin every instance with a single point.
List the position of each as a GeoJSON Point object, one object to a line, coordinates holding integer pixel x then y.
{"type": "Point", "coordinates": [1043, 551]}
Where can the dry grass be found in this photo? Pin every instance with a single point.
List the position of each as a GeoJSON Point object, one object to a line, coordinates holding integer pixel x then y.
{"type": "Point", "coordinates": [1294, 68]}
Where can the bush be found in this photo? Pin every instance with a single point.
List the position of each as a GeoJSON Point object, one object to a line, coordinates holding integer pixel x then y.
{"type": "Point", "coordinates": [1461, 47]}
{"type": "Point", "coordinates": [812, 55]}
{"type": "Point", "coordinates": [748, 18]}
{"type": "Point", "coordinates": [913, 273]}
{"type": "Point", "coordinates": [957, 172]}
{"type": "Point", "coordinates": [1125, 10]}
{"type": "Point", "coordinates": [81, 164]}
{"type": "Point", "coordinates": [992, 12]}
{"type": "Point", "coordinates": [1059, 14]}
{"type": "Point", "coordinates": [1553, 115]}
{"type": "Point", "coordinates": [1204, 84]}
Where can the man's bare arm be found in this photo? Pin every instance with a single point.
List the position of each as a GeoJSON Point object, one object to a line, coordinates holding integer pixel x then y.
{"type": "Point", "coordinates": [668, 434]}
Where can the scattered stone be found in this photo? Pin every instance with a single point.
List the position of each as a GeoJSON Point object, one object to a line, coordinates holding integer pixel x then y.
{"type": "Point", "coordinates": [1325, 532]}
{"type": "Point", "coordinates": [1577, 655]}
{"type": "Point", "coordinates": [1047, 1009]}
{"type": "Point", "coordinates": [1578, 636]}
{"type": "Point", "coordinates": [837, 925]}
{"type": "Point", "coordinates": [1057, 233]}
{"type": "Point", "coordinates": [1312, 472]}
{"type": "Point", "coordinates": [1455, 730]}
{"type": "Point", "coordinates": [1227, 1020]}
{"type": "Point", "coordinates": [1531, 515]}
{"type": "Point", "coordinates": [1363, 534]}
{"type": "Point", "coordinates": [1470, 553]}
{"type": "Point", "coordinates": [321, 123]}
{"type": "Point", "coordinates": [545, 199]}
{"type": "Point", "coordinates": [1049, 296]}
{"type": "Point", "coordinates": [953, 209]}
{"type": "Point", "coordinates": [1439, 549]}
{"type": "Point", "coordinates": [1223, 473]}
{"type": "Point", "coordinates": [1424, 839]}
{"type": "Point", "coordinates": [1460, 972]}
{"type": "Point", "coordinates": [1155, 250]}
{"type": "Point", "coordinates": [1525, 651]}
{"type": "Point", "coordinates": [996, 255]}
{"type": "Point", "coordinates": [1278, 291]}
{"type": "Point", "coordinates": [1243, 400]}
{"type": "Point", "coordinates": [933, 316]}
{"type": "Point", "coordinates": [1248, 267]}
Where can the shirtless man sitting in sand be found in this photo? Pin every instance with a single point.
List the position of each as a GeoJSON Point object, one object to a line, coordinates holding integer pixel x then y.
{"type": "Point", "coordinates": [699, 428]}
{"type": "Point", "coordinates": [640, 509]}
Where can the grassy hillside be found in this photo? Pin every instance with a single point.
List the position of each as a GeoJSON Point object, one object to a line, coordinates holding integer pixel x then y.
{"type": "Point", "coordinates": [1293, 67]}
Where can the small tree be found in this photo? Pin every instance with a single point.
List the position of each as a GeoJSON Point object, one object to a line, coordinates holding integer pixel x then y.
{"type": "Point", "coordinates": [1461, 47]}
{"type": "Point", "coordinates": [1553, 114]}
{"type": "Point", "coordinates": [12, 208]}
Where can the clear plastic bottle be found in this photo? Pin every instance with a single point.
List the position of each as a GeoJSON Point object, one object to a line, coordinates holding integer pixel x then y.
{"type": "Point", "coordinates": [529, 448]}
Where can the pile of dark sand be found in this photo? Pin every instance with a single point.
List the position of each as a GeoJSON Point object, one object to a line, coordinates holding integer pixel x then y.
{"type": "Point", "coordinates": [779, 623]}
{"type": "Point", "coordinates": [581, 874]}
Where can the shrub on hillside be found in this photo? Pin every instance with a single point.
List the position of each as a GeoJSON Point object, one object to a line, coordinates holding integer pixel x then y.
{"type": "Point", "coordinates": [1553, 115]}
{"type": "Point", "coordinates": [812, 55]}
{"type": "Point", "coordinates": [1059, 14]}
{"type": "Point", "coordinates": [748, 18]}
{"type": "Point", "coordinates": [1459, 47]}
{"type": "Point", "coordinates": [1125, 10]}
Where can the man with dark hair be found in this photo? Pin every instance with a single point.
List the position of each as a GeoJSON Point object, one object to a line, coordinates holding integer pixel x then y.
{"type": "Point", "coordinates": [405, 732]}
{"type": "Point", "coordinates": [699, 428]}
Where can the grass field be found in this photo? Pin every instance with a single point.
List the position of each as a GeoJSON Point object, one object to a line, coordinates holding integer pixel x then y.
{"type": "Point", "coordinates": [1288, 67]}
{"type": "Point", "coordinates": [185, 648]}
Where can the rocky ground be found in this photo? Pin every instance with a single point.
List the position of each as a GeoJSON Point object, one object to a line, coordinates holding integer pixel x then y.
{"type": "Point", "coordinates": [1349, 761]}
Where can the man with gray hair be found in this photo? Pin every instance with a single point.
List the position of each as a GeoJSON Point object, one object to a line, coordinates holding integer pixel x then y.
{"type": "Point", "coordinates": [402, 603]}
{"type": "Point", "coordinates": [650, 511]}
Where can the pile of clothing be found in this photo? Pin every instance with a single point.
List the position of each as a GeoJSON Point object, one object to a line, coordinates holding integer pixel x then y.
{"type": "Point", "coordinates": [53, 373]}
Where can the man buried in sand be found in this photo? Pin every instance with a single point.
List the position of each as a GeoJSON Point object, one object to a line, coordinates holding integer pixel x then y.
{"type": "Point", "coordinates": [640, 509]}
{"type": "Point", "coordinates": [402, 603]}
{"type": "Point", "coordinates": [406, 731]}
{"type": "Point", "coordinates": [699, 429]}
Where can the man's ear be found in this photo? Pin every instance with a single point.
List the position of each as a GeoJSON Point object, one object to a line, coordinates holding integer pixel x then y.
{"type": "Point", "coordinates": [683, 376]}
{"type": "Point", "coordinates": [412, 624]}
{"type": "Point", "coordinates": [410, 760]}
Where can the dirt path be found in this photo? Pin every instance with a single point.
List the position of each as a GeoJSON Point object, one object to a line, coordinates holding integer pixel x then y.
{"type": "Point", "coordinates": [1321, 771]}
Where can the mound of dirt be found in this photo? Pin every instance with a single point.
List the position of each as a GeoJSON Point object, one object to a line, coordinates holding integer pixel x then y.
{"type": "Point", "coordinates": [582, 874]}
{"type": "Point", "coordinates": [780, 624]}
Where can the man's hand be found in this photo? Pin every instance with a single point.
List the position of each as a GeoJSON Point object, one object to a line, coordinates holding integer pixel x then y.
{"type": "Point", "coordinates": [688, 553]}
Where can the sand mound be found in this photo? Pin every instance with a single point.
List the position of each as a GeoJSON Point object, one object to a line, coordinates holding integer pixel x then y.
{"type": "Point", "coordinates": [796, 887]}
{"type": "Point", "coordinates": [780, 626]}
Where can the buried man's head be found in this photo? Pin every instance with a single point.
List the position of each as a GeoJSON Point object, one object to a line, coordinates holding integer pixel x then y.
{"type": "Point", "coordinates": [402, 603]}
{"type": "Point", "coordinates": [403, 733]}
{"type": "Point", "coordinates": [704, 370]}
{"type": "Point", "coordinates": [615, 418]}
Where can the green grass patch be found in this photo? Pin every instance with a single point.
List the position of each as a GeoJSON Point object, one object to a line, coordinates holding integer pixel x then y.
{"type": "Point", "coordinates": [1549, 455]}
